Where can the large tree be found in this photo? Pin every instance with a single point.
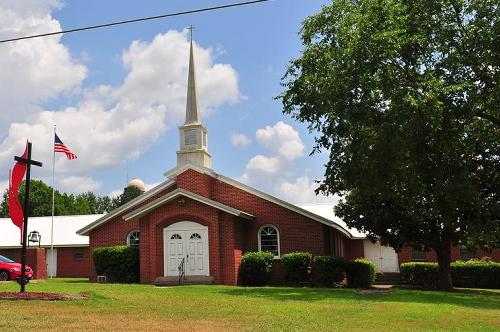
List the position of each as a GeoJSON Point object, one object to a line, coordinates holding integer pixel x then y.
{"type": "Point", "coordinates": [405, 96]}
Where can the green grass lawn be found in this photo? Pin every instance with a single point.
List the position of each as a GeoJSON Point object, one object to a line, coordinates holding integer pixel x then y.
{"type": "Point", "coordinates": [207, 308]}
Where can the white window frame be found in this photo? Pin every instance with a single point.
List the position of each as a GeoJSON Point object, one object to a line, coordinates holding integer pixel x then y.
{"type": "Point", "coordinates": [130, 234]}
{"type": "Point", "coordinates": [277, 235]}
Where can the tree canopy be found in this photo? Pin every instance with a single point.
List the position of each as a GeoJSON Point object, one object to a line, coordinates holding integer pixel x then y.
{"type": "Point", "coordinates": [405, 97]}
{"type": "Point", "coordinates": [64, 204]}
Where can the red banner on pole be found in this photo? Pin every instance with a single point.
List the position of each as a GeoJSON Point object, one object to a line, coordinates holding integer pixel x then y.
{"type": "Point", "coordinates": [15, 208]}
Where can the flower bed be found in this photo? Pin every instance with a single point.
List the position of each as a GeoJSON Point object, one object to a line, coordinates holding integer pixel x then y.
{"type": "Point", "coordinates": [43, 296]}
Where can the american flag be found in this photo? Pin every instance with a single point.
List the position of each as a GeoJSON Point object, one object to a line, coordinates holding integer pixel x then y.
{"type": "Point", "coordinates": [60, 147]}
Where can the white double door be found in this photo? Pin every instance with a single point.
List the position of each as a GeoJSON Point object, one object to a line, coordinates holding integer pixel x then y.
{"type": "Point", "coordinates": [186, 241]}
{"type": "Point", "coordinates": [384, 258]}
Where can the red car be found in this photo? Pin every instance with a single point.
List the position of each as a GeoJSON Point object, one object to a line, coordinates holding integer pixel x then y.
{"type": "Point", "coordinates": [10, 270]}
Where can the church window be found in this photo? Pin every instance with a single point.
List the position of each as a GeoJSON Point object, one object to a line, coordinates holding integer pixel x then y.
{"type": "Point", "coordinates": [190, 136]}
{"type": "Point", "coordinates": [176, 237]}
{"type": "Point", "coordinates": [418, 254]}
{"type": "Point", "coordinates": [195, 236]}
{"type": "Point", "coordinates": [78, 254]}
{"type": "Point", "coordinates": [133, 238]}
{"type": "Point", "coordinates": [466, 254]}
{"type": "Point", "coordinates": [269, 240]}
{"type": "Point", "coordinates": [204, 139]}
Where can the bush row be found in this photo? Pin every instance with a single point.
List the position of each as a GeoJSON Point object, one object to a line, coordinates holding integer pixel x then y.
{"type": "Point", "coordinates": [472, 273]}
{"type": "Point", "coordinates": [301, 268]}
{"type": "Point", "coordinates": [119, 264]}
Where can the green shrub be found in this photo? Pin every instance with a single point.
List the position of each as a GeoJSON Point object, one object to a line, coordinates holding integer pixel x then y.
{"type": "Point", "coordinates": [119, 264]}
{"type": "Point", "coordinates": [421, 274]}
{"type": "Point", "coordinates": [328, 271]}
{"type": "Point", "coordinates": [297, 267]}
{"type": "Point", "coordinates": [476, 274]}
{"type": "Point", "coordinates": [473, 273]}
{"type": "Point", "coordinates": [255, 268]}
{"type": "Point", "coordinates": [360, 273]}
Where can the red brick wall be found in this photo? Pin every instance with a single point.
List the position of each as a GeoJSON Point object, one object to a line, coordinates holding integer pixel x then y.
{"type": "Point", "coordinates": [297, 232]}
{"type": "Point", "coordinates": [68, 267]}
{"type": "Point", "coordinates": [354, 248]}
{"type": "Point", "coordinates": [35, 258]}
{"type": "Point", "coordinates": [404, 255]}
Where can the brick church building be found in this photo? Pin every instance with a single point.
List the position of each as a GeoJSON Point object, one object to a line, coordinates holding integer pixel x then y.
{"type": "Point", "coordinates": [208, 221]}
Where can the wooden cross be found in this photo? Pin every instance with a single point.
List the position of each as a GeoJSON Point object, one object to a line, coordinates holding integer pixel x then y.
{"type": "Point", "coordinates": [28, 161]}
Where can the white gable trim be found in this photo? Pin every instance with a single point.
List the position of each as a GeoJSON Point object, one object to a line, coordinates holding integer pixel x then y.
{"type": "Point", "coordinates": [172, 174]}
{"type": "Point", "coordinates": [148, 194]}
{"type": "Point", "coordinates": [181, 192]}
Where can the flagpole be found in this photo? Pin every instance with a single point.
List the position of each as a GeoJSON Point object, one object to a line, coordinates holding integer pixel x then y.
{"type": "Point", "coordinates": [53, 198]}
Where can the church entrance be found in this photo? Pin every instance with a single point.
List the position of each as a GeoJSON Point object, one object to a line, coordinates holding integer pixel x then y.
{"type": "Point", "coordinates": [186, 241]}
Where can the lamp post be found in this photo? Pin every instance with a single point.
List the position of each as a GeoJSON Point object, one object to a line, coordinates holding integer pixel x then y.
{"type": "Point", "coordinates": [35, 237]}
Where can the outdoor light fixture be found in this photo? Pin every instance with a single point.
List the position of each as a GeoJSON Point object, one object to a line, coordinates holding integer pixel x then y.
{"type": "Point", "coordinates": [35, 237]}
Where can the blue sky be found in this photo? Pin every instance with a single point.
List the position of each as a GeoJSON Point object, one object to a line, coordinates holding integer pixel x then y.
{"type": "Point", "coordinates": [95, 74]}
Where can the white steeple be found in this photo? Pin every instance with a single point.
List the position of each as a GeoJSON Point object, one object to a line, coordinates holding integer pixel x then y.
{"type": "Point", "coordinates": [193, 135]}
{"type": "Point", "coordinates": [192, 110]}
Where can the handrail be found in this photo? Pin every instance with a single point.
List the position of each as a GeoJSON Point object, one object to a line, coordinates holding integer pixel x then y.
{"type": "Point", "coordinates": [182, 270]}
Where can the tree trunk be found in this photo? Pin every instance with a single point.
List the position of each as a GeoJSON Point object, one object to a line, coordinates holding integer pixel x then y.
{"type": "Point", "coordinates": [444, 261]}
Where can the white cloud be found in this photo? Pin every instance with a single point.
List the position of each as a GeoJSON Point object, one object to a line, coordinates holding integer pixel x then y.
{"type": "Point", "coordinates": [150, 186]}
{"type": "Point", "coordinates": [263, 164]}
{"type": "Point", "coordinates": [301, 191]}
{"type": "Point", "coordinates": [32, 70]}
{"type": "Point", "coordinates": [284, 145]}
{"type": "Point", "coordinates": [78, 184]}
{"type": "Point", "coordinates": [240, 140]}
{"type": "Point", "coordinates": [109, 123]}
{"type": "Point", "coordinates": [115, 193]}
{"type": "Point", "coordinates": [282, 140]}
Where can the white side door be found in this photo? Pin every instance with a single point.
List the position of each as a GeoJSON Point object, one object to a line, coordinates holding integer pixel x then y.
{"type": "Point", "coordinates": [389, 259]}
{"type": "Point", "coordinates": [51, 263]}
{"type": "Point", "coordinates": [372, 252]}
{"type": "Point", "coordinates": [174, 251]}
{"type": "Point", "coordinates": [384, 258]}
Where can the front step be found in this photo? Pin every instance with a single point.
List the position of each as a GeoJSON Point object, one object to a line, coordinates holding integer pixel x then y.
{"type": "Point", "coordinates": [388, 278]}
{"type": "Point", "coordinates": [189, 280]}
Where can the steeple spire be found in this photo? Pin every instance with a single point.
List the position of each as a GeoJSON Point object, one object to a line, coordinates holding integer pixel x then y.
{"type": "Point", "coordinates": [192, 109]}
{"type": "Point", "coordinates": [193, 135]}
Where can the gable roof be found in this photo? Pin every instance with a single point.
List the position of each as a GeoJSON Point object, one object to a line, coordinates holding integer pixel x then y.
{"type": "Point", "coordinates": [181, 192]}
{"type": "Point", "coordinates": [65, 228]}
{"type": "Point", "coordinates": [148, 194]}
{"type": "Point", "coordinates": [172, 174]}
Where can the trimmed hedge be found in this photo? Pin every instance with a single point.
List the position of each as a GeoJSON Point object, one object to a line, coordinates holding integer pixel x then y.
{"type": "Point", "coordinates": [119, 264]}
{"type": "Point", "coordinates": [327, 271]}
{"type": "Point", "coordinates": [255, 268]}
{"type": "Point", "coordinates": [476, 273]}
{"type": "Point", "coordinates": [472, 273]}
{"type": "Point", "coordinates": [360, 273]}
{"type": "Point", "coordinates": [421, 274]}
{"type": "Point", "coordinates": [297, 266]}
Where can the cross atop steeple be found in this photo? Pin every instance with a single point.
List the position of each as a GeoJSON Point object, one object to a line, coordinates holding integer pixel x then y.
{"type": "Point", "coordinates": [191, 28]}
